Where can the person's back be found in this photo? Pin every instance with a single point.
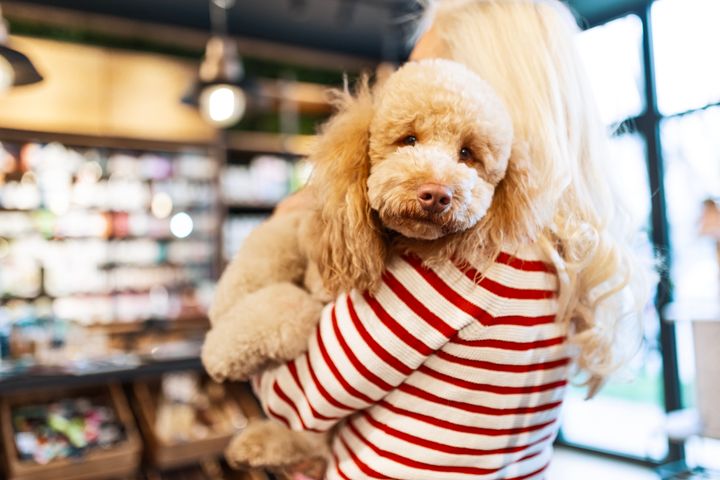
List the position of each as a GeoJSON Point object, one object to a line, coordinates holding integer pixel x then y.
{"type": "Point", "coordinates": [484, 365]}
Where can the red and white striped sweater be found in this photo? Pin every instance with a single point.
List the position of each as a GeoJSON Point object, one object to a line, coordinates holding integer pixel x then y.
{"type": "Point", "coordinates": [436, 376]}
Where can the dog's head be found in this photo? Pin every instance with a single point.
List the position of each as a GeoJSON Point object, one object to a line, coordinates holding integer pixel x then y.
{"type": "Point", "coordinates": [439, 144]}
{"type": "Point", "coordinates": [421, 155]}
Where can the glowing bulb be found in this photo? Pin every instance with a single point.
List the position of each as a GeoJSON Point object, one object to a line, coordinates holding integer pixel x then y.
{"type": "Point", "coordinates": [222, 105]}
{"type": "Point", "coordinates": [181, 225]}
{"type": "Point", "coordinates": [7, 74]}
{"type": "Point", "coordinates": [161, 205]}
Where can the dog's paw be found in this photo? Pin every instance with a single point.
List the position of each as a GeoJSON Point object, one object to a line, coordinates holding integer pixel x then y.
{"type": "Point", "coordinates": [270, 445]}
{"type": "Point", "coordinates": [232, 355]}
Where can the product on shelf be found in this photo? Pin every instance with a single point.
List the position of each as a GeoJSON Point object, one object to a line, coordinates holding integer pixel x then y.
{"type": "Point", "coordinates": [189, 410]}
{"type": "Point", "coordinates": [236, 230]}
{"type": "Point", "coordinates": [90, 261]}
{"type": "Point", "coordinates": [264, 181]}
{"type": "Point", "coordinates": [68, 428]}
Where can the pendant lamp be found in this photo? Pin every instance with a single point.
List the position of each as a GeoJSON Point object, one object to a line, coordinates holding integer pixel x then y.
{"type": "Point", "coordinates": [218, 90]}
{"type": "Point", "coordinates": [15, 68]}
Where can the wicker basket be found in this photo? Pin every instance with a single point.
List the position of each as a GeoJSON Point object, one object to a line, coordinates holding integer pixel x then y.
{"type": "Point", "coordinates": [164, 455]}
{"type": "Point", "coordinates": [120, 461]}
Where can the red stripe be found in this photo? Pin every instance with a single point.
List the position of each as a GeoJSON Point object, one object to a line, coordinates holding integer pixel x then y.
{"type": "Point", "coordinates": [416, 464]}
{"type": "Point", "coordinates": [293, 371]}
{"type": "Point", "coordinates": [490, 285]}
{"type": "Point", "coordinates": [381, 384]}
{"type": "Point", "coordinates": [447, 292]}
{"type": "Point", "coordinates": [337, 467]}
{"type": "Point", "coordinates": [522, 321]}
{"type": "Point", "coordinates": [284, 397]}
{"type": "Point", "coordinates": [400, 332]}
{"type": "Point", "coordinates": [505, 345]}
{"type": "Point", "coordinates": [507, 292]}
{"type": "Point", "coordinates": [279, 416]}
{"type": "Point", "coordinates": [493, 432]}
{"type": "Point", "coordinates": [441, 447]}
{"type": "Point", "coordinates": [470, 308]}
{"type": "Point", "coordinates": [524, 265]}
{"type": "Point", "coordinates": [473, 408]}
{"type": "Point", "coordinates": [421, 310]}
{"type": "Point", "coordinates": [531, 474]}
{"type": "Point", "coordinates": [336, 373]}
{"type": "Point", "coordinates": [484, 387]}
{"type": "Point", "coordinates": [503, 367]}
{"type": "Point", "coordinates": [376, 347]}
{"type": "Point", "coordinates": [326, 395]}
{"type": "Point", "coordinates": [360, 464]}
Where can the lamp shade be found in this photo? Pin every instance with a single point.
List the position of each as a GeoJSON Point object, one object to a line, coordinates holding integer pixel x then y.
{"type": "Point", "coordinates": [24, 72]}
{"type": "Point", "coordinates": [221, 91]}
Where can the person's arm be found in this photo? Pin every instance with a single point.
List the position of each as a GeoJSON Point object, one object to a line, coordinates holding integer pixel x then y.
{"type": "Point", "coordinates": [365, 346]}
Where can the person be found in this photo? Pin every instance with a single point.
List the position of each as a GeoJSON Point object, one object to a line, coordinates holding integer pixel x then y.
{"type": "Point", "coordinates": [413, 399]}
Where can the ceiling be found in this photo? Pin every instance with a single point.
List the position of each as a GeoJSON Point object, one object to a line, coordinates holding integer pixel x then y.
{"type": "Point", "coordinates": [358, 27]}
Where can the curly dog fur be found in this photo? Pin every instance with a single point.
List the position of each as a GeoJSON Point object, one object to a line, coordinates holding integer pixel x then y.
{"type": "Point", "coordinates": [422, 161]}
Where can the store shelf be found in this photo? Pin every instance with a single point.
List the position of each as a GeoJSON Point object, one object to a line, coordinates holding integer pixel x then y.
{"type": "Point", "coordinates": [49, 377]}
{"type": "Point", "coordinates": [258, 142]}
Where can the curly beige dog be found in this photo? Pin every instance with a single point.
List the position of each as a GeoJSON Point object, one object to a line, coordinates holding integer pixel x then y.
{"type": "Point", "coordinates": [419, 163]}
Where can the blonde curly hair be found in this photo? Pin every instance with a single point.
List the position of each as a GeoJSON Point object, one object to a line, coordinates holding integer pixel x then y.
{"type": "Point", "coordinates": [526, 50]}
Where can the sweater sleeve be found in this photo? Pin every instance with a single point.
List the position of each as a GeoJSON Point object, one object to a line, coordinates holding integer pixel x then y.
{"type": "Point", "coordinates": [365, 346]}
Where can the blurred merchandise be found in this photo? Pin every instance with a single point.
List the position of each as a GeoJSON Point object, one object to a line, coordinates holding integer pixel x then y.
{"type": "Point", "coordinates": [190, 411]}
{"type": "Point", "coordinates": [68, 428]}
{"type": "Point", "coordinates": [264, 180]}
{"type": "Point", "coordinates": [236, 230]}
{"type": "Point", "coordinates": [99, 248]}
{"type": "Point", "coordinates": [186, 418]}
{"type": "Point", "coordinates": [69, 434]}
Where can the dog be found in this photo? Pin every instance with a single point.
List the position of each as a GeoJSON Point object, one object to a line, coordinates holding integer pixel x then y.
{"type": "Point", "coordinates": [421, 163]}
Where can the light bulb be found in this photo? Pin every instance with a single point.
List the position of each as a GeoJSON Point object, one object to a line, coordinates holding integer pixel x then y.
{"type": "Point", "coordinates": [181, 225]}
{"type": "Point", "coordinates": [7, 74]}
{"type": "Point", "coordinates": [161, 205]}
{"type": "Point", "coordinates": [222, 105]}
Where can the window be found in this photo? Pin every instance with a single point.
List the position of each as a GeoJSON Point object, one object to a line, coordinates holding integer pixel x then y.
{"type": "Point", "coordinates": [685, 41]}
{"type": "Point", "coordinates": [612, 53]}
{"type": "Point", "coordinates": [627, 416]}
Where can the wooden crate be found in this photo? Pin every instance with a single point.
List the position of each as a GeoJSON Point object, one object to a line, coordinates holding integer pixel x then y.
{"type": "Point", "coordinates": [164, 455]}
{"type": "Point", "coordinates": [120, 461]}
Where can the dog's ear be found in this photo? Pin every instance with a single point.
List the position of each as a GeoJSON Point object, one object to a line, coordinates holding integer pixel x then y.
{"type": "Point", "coordinates": [352, 250]}
{"type": "Point", "coordinates": [513, 217]}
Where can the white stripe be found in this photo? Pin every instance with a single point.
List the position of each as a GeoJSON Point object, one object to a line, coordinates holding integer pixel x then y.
{"type": "Point", "coordinates": [323, 372]}
{"type": "Point", "coordinates": [342, 361]}
{"type": "Point", "coordinates": [431, 298]}
{"type": "Point", "coordinates": [383, 335]}
{"type": "Point", "coordinates": [419, 453]}
{"type": "Point", "coordinates": [288, 385]}
{"type": "Point", "coordinates": [520, 279]}
{"type": "Point", "coordinates": [456, 438]}
{"type": "Point", "coordinates": [496, 377]}
{"type": "Point", "coordinates": [409, 320]}
{"type": "Point", "coordinates": [512, 333]}
{"type": "Point", "coordinates": [463, 417]}
{"type": "Point", "coordinates": [452, 392]}
{"type": "Point", "coordinates": [359, 346]}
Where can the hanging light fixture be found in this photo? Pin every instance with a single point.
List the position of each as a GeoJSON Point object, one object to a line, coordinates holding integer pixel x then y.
{"type": "Point", "coordinates": [15, 68]}
{"type": "Point", "coordinates": [217, 91]}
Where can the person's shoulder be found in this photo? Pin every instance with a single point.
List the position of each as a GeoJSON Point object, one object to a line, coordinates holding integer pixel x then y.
{"type": "Point", "coordinates": [530, 257]}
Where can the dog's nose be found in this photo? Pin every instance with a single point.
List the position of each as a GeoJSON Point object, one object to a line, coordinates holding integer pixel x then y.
{"type": "Point", "coordinates": [434, 198]}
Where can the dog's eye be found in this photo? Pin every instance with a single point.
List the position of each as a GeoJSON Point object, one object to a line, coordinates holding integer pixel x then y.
{"type": "Point", "coordinates": [410, 140]}
{"type": "Point", "coordinates": [465, 153]}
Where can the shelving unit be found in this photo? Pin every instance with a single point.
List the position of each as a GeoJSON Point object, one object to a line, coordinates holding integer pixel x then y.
{"type": "Point", "coordinates": [108, 250]}
{"type": "Point", "coordinates": [260, 170]}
